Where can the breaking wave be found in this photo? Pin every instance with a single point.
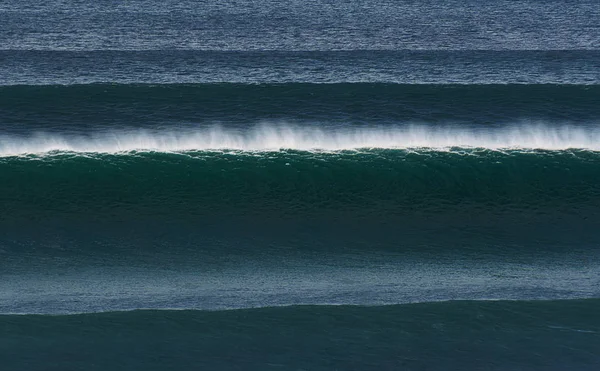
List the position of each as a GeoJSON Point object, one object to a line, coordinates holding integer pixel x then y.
{"type": "Point", "coordinates": [290, 137]}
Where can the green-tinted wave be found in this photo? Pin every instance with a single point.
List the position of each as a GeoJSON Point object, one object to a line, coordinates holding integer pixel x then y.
{"type": "Point", "coordinates": [361, 183]}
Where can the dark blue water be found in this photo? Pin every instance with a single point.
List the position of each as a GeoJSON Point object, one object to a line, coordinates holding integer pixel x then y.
{"type": "Point", "coordinates": [356, 185]}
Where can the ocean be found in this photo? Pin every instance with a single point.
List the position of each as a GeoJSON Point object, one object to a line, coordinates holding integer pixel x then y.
{"type": "Point", "coordinates": [300, 185]}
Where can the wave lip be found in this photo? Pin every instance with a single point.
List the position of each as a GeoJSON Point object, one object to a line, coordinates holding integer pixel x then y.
{"type": "Point", "coordinates": [264, 138]}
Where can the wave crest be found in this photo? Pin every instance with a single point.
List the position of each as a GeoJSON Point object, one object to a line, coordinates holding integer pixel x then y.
{"type": "Point", "coordinates": [279, 137]}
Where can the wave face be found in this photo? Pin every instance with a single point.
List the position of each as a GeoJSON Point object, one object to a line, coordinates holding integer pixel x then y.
{"type": "Point", "coordinates": [419, 336]}
{"type": "Point", "coordinates": [363, 226]}
{"type": "Point", "coordinates": [390, 181]}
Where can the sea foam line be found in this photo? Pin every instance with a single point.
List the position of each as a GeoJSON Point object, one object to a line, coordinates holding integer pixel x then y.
{"type": "Point", "coordinates": [274, 138]}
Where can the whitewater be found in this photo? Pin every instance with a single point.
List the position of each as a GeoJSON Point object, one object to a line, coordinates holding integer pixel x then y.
{"type": "Point", "coordinates": [279, 137]}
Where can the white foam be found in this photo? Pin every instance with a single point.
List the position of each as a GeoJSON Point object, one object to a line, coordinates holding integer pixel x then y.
{"type": "Point", "coordinates": [278, 137]}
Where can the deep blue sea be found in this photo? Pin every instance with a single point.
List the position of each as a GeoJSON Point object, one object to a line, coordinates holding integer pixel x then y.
{"type": "Point", "coordinates": [300, 185]}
